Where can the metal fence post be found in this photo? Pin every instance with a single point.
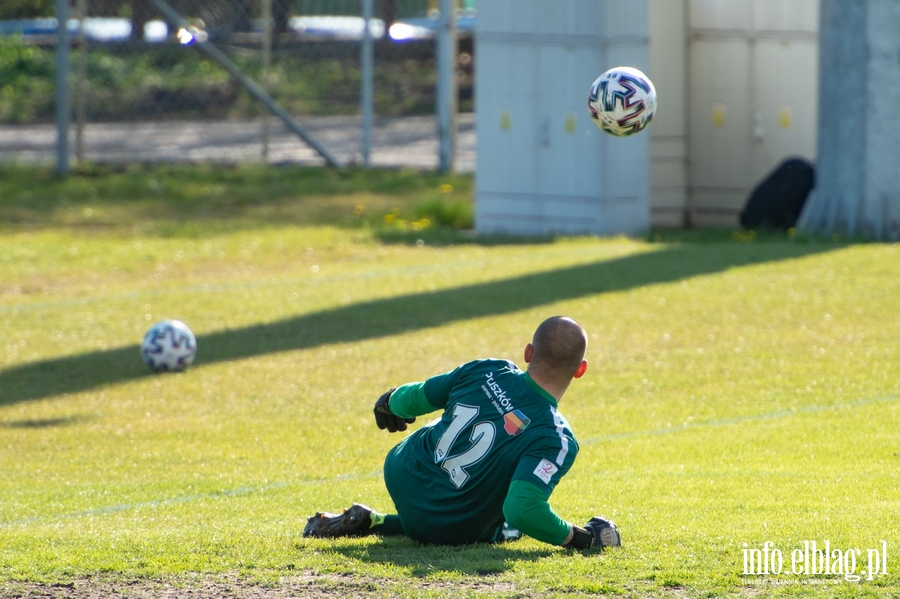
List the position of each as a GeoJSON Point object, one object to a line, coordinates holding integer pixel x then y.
{"type": "Point", "coordinates": [80, 90]}
{"type": "Point", "coordinates": [367, 60]}
{"type": "Point", "coordinates": [267, 66]}
{"type": "Point", "coordinates": [63, 99]}
{"type": "Point", "coordinates": [446, 84]}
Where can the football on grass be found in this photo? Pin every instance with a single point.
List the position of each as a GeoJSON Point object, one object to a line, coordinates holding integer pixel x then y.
{"type": "Point", "coordinates": [622, 101]}
{"type": "Point", "coordinates": [169, 346]}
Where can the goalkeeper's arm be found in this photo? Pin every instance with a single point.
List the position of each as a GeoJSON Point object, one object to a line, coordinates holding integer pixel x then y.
{"type": "Point", "coordinates": [526, 509]}
{"type": "Point", "coordinates": [398, 407]}
{"type": "Point", "coordinates": [409, 401]}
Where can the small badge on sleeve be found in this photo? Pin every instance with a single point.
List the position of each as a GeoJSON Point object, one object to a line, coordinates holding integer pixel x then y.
{"type": "Point", "coordinates": [545, 471]}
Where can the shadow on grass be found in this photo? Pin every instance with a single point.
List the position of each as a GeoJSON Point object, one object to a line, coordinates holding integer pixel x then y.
{"type": "Point", "coordinates": [396, 315]}
{"type": "Point", "coordinates": [439, 236]}
{"type": "Point", "coordinates": [44, 422]}
{"type": "Point", "coordinates": [479, 559]}
{"type": "Point", "coordinates": [448, 237]}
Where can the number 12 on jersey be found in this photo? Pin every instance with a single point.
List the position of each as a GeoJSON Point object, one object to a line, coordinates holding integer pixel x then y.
{"type": "Point", "coordinates": [482, 438]}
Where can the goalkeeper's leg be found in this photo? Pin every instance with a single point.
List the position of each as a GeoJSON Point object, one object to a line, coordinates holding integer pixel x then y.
{"type": "Point", "coordinates": [357, 520]}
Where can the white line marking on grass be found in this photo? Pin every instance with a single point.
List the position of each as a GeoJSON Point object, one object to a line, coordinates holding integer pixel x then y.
{"type": "Point", "coordinates": [236, 492]}
{"type": "Point", "coordinates": [243, 490]}
{"type": "Point", "coordinates": [217, 288]}
{"type": "Point", "coordinates": [687, 426]}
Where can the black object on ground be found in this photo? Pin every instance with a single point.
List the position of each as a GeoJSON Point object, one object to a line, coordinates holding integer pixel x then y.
{"type": "Point", "coordinates": [777, 201]}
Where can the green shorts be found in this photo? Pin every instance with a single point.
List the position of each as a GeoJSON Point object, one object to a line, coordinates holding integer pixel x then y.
{"type": "Point", "coordinates": [427, 513]}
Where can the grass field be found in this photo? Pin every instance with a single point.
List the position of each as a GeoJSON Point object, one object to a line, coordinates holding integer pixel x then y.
{"type": "Point", "coordinates": [741, 391]}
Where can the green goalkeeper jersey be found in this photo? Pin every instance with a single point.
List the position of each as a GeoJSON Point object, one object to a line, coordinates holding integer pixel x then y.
{"type": "Point", "coordinates": [449, 479]}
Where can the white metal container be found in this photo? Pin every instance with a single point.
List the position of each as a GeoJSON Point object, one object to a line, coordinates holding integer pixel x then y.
{"type": "Point", "coordinates": [543, 167]}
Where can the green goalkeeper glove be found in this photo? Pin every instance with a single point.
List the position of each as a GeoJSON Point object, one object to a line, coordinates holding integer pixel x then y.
{"type": "Point", "coordinates": [385, 419]}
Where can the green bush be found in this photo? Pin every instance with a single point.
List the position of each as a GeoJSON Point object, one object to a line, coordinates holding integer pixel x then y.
{"type": "Point", "coordinates": [449, 213]}
{"type": "Point", "coordinates": [26, 9]}
{"type": "Point", "coordinates": [26, 82]}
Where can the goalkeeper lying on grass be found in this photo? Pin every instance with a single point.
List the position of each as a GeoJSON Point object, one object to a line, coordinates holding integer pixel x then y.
{"type": "Point", "coordinates": [485, 470]}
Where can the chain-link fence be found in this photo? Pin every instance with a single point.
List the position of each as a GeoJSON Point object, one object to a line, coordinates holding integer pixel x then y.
{"type": "Point", "coordinates": [141, 89]}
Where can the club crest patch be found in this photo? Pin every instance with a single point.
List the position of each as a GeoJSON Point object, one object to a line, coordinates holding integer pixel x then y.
{"type": "Point", "coordinates": [545, 471]}
{"type": "Point", "coordinates": [515, 422]}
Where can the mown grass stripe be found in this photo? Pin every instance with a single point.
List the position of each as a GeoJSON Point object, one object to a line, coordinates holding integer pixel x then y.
{"type": "Point", "coordinates": [241, 491]}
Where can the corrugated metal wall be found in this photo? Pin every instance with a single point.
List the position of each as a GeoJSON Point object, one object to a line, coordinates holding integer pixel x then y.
{"type": "Point", "coordinates": [669, 130]}
{"type": "Point", "coordinates": [737, 83]}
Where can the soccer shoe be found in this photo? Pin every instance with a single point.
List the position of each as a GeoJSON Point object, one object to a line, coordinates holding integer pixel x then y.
{"type": "Point", "coordinates": [508, 533]}
{"type": "Point", "coordinates": [356, 520]}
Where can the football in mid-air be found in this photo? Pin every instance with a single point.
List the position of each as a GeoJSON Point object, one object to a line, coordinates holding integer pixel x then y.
{"type": "Point", "coordinates": [169, 345]}
{"type": "Point", "coordinates": [622, 101]}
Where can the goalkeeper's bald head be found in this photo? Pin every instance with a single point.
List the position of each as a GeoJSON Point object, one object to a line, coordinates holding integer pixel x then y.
{"type": "Point", "coordinates": [559, 344]}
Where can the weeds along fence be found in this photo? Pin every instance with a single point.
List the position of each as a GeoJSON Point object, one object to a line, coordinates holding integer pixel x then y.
{"type": "Point", "coordinates": [302, 81]}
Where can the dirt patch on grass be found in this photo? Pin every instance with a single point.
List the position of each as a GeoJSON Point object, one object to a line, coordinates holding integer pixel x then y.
{"type": "Point", "coordinates": [329, 586]}
{"type": "Point", "coordinates": [219, 587]}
